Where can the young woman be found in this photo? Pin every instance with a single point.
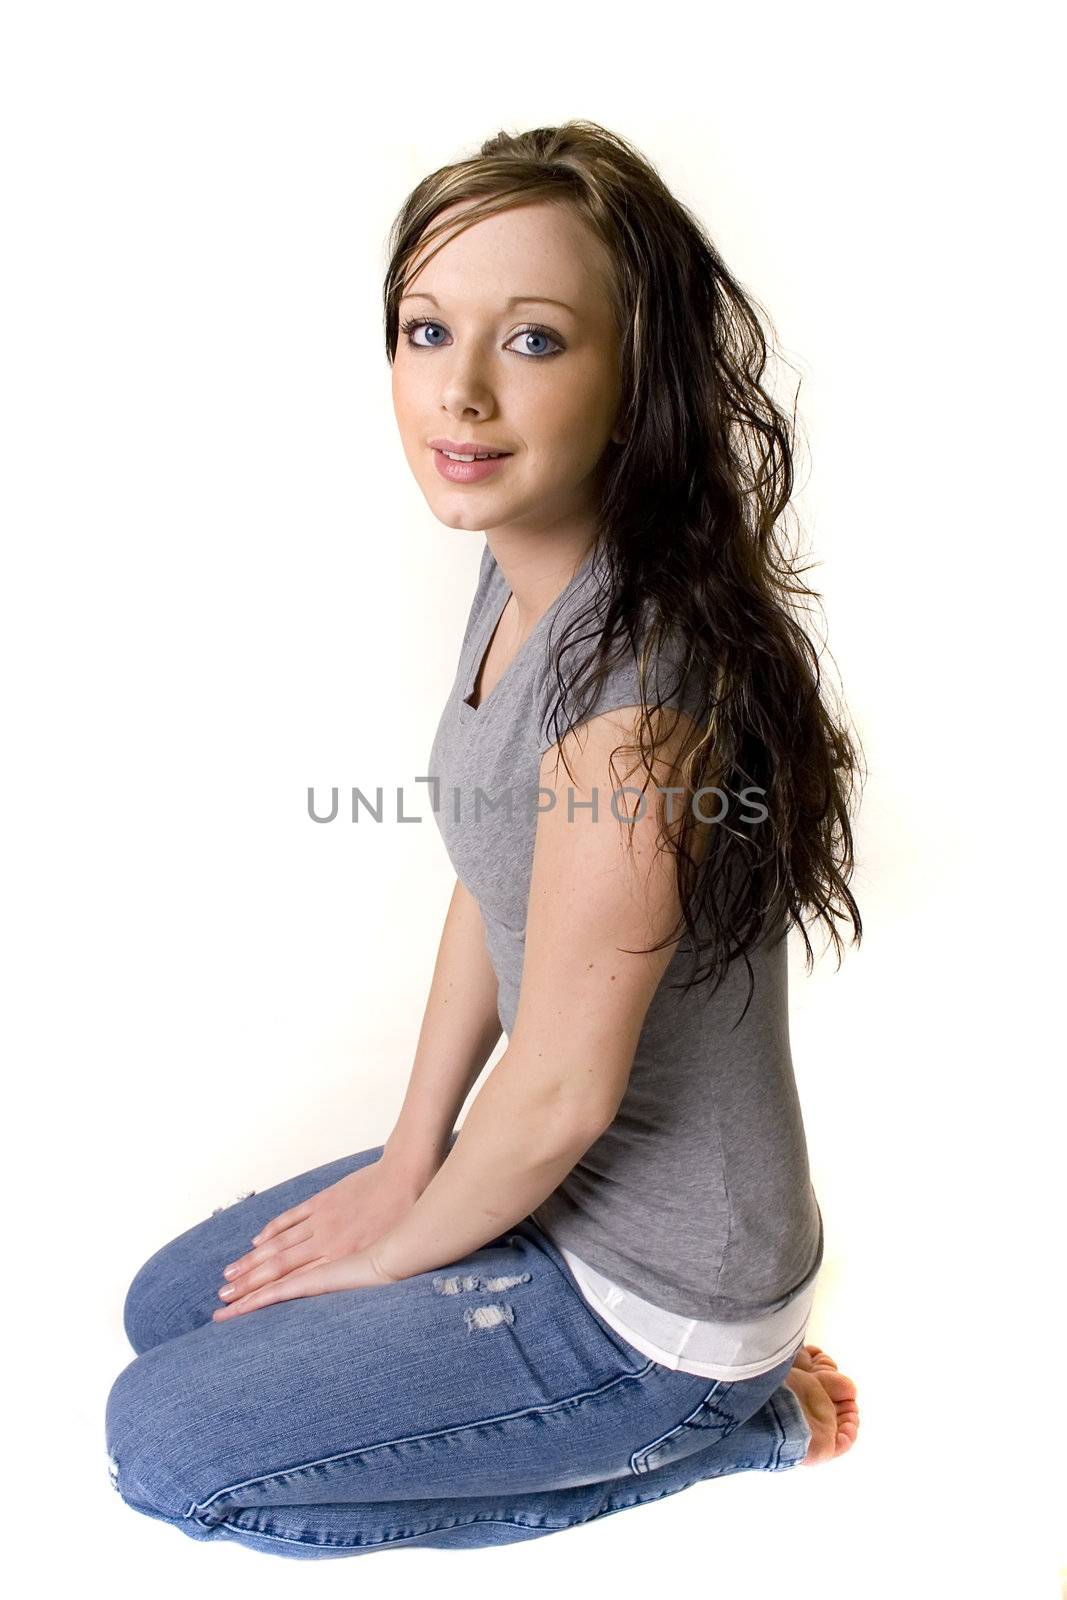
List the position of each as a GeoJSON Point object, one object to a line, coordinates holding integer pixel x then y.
{"type": "Point", "coordinates": [596, 1292]}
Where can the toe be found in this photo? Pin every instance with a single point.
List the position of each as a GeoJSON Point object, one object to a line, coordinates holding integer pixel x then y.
{"type": "Point", "coordinates": [819, 1357]}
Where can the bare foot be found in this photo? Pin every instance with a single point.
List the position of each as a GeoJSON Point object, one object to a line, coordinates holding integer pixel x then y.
{"type": "Point", "coordinates": [828, 1399]}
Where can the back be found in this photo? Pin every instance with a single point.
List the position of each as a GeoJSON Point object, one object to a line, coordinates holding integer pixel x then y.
{"type": "Point", "coordinates": [698, 1197]}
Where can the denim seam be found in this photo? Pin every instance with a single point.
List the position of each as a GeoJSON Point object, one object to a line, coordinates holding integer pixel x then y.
{"type": "Point", "coordinates": [339, 1544]}
{"type": "Point", "coordinates": [196, 1507]}
{"type": "Point", "coordinates": [777, 1406]}
{"type": "Point", "coordinates": [639, 1458]}
{"type": "Point", "coordinates": [235, 1529]}
{"type": "Point", "coordinates": [516, 1521]}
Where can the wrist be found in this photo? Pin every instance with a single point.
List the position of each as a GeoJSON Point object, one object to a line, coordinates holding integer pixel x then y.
{"type": "Point", "coordinates": [413, 1164]}
{"type": "Point", "coordinates": [380, 1272]}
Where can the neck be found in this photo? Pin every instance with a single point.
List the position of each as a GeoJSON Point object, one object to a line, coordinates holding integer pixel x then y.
{"type": "Point", "coordinates": [537, 569]}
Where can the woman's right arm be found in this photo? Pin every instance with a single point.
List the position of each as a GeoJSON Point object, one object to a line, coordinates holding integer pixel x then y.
{"type": "Point", "coordinates": [460, 1028]}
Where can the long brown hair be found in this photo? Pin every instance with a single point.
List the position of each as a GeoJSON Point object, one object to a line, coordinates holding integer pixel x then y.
{"type": "Point", "coordinates": [690, 532]}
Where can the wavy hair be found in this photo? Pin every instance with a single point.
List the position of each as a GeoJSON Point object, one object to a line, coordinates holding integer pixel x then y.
{"type": "Point", "coordinates": [690, 534]}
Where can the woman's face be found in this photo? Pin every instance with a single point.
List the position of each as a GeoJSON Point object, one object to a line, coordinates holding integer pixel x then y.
{"type": "Point", "coordinates": [475, 373]}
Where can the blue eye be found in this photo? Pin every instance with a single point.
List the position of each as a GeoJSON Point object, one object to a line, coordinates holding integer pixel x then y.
{"type": "Point", "coordinates": [408, 327]}
{"type": "Point", "coordinates": [535, 332]}
{"type": "Point", "coordinates": [532, 330]}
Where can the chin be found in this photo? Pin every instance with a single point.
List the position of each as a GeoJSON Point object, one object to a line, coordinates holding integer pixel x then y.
{"type": "Point", "coordinates": [463, 510]}
{"type": "Point", "coordinates": [464, 518]}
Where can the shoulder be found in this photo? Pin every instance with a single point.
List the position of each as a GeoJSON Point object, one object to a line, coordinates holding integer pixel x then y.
{"type": "Point", "coordinates": [675, 675]}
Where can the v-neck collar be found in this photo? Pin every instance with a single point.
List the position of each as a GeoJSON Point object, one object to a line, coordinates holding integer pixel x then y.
{"type": "Point", "coordinates": [486, 633]}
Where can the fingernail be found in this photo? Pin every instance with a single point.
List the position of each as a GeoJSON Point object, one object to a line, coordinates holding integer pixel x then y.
{"type": "Point", "coordinates": [225, 1292]}
{"type": "Point", "coordinates": [229, 1272]}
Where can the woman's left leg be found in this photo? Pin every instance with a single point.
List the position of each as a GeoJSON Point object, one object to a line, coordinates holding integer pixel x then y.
{"type": "Point", "coordinates": [771, 1441]}
{"type": "Point", "coordinates": [481, 1405]}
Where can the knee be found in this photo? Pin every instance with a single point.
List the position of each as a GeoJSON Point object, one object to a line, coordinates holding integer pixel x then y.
{"type": "Point", "coordinates": [139, 1316]}
{"type": "Point", "coordinates": [154, 1309]}
{"type": "Point", "coordinates": [141, 1429]}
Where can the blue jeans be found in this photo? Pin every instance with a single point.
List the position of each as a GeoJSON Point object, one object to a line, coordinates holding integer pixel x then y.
{"type": "Point", "coordinates": [480, 1404]}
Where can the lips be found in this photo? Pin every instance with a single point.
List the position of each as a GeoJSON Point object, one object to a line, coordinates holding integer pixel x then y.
{"type": "Point", "coordinates": [468, 448]}
{"type": "Point", "coordinates": [469, 471]}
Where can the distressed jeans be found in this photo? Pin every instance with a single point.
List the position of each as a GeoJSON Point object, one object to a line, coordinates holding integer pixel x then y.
{"type": "Point", "coordinates": [479, 1404]}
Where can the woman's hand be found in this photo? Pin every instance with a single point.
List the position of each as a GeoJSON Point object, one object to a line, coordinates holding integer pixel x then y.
{"type": "Point", "coordinates": [333, 1228]}
{"type": "Point", "coordinates": [359, 1271]}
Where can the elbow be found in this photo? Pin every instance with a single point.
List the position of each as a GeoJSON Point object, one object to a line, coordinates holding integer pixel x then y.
{"type": "Point", "coordinates": [571, 1108]}
{"type": "Point", "coordinates": [596, 1109]}
{"type": "Point", "coordinates": [565, 1123]}
{"type": "Point", "coordinates": [592, 1119]}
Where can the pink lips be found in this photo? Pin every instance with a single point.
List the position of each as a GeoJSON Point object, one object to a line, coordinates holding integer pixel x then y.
{"type": "Point", "coordinates": [468, 447]}
{"type": "Point", "coordinates": [464, 471]}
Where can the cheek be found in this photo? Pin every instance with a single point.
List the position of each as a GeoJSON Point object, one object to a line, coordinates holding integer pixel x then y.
{"type": "Point", "coordinates": [407, 389]}
{"type": "Point", "coordinates": [399, 389]}
{"type": "Point", "coordinates": [581, 411]}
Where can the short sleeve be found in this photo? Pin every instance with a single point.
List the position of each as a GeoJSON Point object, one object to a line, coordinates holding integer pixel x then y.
{"type": "Point", "coordinates": [621, 687]}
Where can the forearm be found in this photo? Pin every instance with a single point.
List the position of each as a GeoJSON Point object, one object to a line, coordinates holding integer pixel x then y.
{"type": "Point", "coordinates": [460, 1028]}
{"type": "Point", "coordinates": [518, 1141]}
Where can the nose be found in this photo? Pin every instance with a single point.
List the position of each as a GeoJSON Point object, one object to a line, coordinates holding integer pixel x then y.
{"type": "Point", "coordinates": [466, 388]}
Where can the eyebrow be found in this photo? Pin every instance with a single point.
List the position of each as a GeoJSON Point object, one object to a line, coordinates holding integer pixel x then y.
{"type": "Point", "coordinates": [513, 300]}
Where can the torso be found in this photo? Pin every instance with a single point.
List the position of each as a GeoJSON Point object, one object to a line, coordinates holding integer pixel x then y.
{"type": "Point", "coordinates": [698, 1198]}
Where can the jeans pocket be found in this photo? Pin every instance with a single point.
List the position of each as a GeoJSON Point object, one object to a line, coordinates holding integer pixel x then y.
{"type": "Point", "coordinates": [704, 1425]}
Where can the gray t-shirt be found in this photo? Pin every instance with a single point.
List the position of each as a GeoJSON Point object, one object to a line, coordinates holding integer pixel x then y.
{"type": "Point", "coordinates": [698, 1196]}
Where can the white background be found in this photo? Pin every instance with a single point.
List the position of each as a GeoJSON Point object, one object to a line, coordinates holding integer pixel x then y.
{"type": "Point", "coordinates": [207, 522]}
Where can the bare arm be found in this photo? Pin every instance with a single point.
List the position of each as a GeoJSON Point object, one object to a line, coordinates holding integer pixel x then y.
{"type": "Point", "coordinates": [460, 1028]}
{"type": "Point", "coordinates": [581, 1008]}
